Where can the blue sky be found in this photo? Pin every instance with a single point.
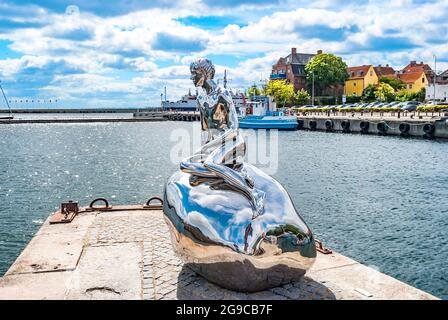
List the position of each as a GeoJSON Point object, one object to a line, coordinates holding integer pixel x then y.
{"type": "Point", "coordinates": [87, 54]}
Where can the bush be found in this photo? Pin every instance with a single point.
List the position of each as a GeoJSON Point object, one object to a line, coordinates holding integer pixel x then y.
{"type": "Point", "coordinates": [435, 108]}
{"type": "Point", "coordinates": [302, 97]}
{"type": "Point", "coordinates": [368, 94]}
{"type": "Point", "coordinates": [353, 99]}
{"type": "Point", "coordinates": [403, 95]}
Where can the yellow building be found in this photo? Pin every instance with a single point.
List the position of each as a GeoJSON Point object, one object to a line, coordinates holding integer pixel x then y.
{"type": "Point", "coordinates": [414, 81]}
{"type": "Point", "coordinates": [359, 78]}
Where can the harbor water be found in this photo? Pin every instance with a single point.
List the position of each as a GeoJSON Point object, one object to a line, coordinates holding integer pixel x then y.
{"type": "Point", "coordinates": [380, 200]}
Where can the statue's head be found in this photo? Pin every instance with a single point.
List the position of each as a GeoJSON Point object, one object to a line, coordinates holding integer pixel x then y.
{"type": "Point", "coordinates": [201, 71]}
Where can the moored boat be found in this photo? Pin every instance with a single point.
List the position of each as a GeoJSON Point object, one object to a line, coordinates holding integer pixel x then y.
{"type": "Point", "coordinates": [279, 122]}
{"type": "Point", "coordinates": [263, 115]}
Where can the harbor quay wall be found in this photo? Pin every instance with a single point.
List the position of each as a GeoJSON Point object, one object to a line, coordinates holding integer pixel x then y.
{"type": "Point", "coordinates": [425, 128]}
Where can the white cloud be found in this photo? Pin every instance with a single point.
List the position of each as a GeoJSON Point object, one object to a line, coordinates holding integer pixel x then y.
{"type": "Point", "coordinates": [138, 53]}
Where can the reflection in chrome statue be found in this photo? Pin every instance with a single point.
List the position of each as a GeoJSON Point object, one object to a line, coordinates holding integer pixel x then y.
{"type": "Point", "coordinates": [230, 222]}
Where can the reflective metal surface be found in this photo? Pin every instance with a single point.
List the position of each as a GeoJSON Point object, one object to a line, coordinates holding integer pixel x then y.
{"type": "Point", "coordinates": [230, 222]}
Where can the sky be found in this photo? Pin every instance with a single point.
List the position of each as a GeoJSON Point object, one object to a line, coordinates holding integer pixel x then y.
{"type": "Point", "coordinates": [91, 53]}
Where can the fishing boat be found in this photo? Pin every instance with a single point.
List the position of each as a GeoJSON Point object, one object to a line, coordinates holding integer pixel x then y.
{"type": "Point", "coordinates": [10, 116]}
{"type": "Point", "coordinates": [261, 113]}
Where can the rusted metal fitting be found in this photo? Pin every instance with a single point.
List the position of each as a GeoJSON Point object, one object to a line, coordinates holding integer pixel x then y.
{"type": "Point", "coordinates": [68, 212]}
{"type": "Point", "coordinates": [153, 206]}
{"type": "Point", "coordinates": [320, 247]}
{"type": "Point", "coordinates": [104, 208]}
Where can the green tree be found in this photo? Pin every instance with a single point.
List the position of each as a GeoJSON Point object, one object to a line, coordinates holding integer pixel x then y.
{"type": "Point", "coordinates": [254, 90]}
{"type": "Point", "coordinates": [327, 70]}
{"type": "Point", "coordinates": [421, 95]}
{"type": "Point", "coordinates": [368, 94]}
{"type": "Point", "coordinates": [395, 83]}
{"type": "Point", "coordinates": [281, 91]}
{"type": "Point", "coordinates": [403, 95]}
{"type": "Point", "coordinates": [385, 92]}
{"type": "Point", "coordinates": [302, 96]}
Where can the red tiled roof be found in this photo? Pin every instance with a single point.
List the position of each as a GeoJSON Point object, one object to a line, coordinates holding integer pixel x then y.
{"type": "Point", "coordinates": [384, 71]}
{"type": "Point", "coordinates": [358, 72]}
{"type": "Point", "coordinates": [417, 67]}
{"type": "Point", "coordinates": [410, 77]}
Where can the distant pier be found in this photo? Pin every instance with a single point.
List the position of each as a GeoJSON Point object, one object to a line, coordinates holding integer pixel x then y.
{"type": "Point", "coordinates": [93, 116]}
{"type": "Point", "coordinates": [81, 110]}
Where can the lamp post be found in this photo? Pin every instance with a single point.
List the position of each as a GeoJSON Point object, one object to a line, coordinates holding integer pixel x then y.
{"type": "Point", "coordinates": [312, 101]}
{"type": "Point", "coordinates": [161, 101]}
{"type": "Point", "coordinates": [435, 77]}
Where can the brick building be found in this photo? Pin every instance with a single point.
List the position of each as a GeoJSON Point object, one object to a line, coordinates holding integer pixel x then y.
{"type": "Point", "coordinates": [292, 68]}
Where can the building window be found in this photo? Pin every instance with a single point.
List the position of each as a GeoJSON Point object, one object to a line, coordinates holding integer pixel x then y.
{"type": "Point", "coordinates": [354, 84]}
{"type": "Point", "coordinates": [371, 73]}
{"type": "Point", "coordinates": [353, 74]}
{"type": "Point", "coordinates": [410, 86]}
{"type": "Point", "coordinates": [423, 80]}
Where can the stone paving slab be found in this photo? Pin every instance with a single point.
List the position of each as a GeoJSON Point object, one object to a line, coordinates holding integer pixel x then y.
{"type": "Point", "coordinates": [127, 254]}
{"type": "Point", "coordinates": [35, 286]}
{"type": "Point", "coordinates": [104, 272]}
{"type": "Point", "coordinates": [49, 253]}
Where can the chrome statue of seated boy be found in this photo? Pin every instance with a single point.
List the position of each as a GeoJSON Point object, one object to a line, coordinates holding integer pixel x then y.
{"type": "Point", "coordinates": [230, 222]}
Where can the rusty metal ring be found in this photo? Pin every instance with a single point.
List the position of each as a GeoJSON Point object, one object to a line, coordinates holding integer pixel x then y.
{"type": "Point", "coordinates": [100, 199]}
{"type": "Point", "coordinates": [155, 206]}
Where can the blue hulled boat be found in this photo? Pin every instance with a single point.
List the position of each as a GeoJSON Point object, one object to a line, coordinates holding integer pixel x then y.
{"type": "Point", "coordinates": [269, 122]}
{"type": "Point", "coordinates": [264, 116]}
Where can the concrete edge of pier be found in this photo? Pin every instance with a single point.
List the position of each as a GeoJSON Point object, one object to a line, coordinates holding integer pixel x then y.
{"type": "Point", "coordinates": [148, 116]}
{"type": "Point", "coordinates": [86, 259]}
{"type": "Point", "coordinates": [405, 126]}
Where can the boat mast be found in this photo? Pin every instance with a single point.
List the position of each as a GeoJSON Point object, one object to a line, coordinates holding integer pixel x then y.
{"type": "Point", "coordinates": [6, 100]}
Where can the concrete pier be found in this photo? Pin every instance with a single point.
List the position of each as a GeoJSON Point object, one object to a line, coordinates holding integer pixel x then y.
{"type": "Point", "coordinates": [137, 117]}
{"type": "Point", "coordinates": [383, 124]}
{"type": "Point", "coordinates": [125, 253]}
{"type": "Point", "coordinates": [93, 120]}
